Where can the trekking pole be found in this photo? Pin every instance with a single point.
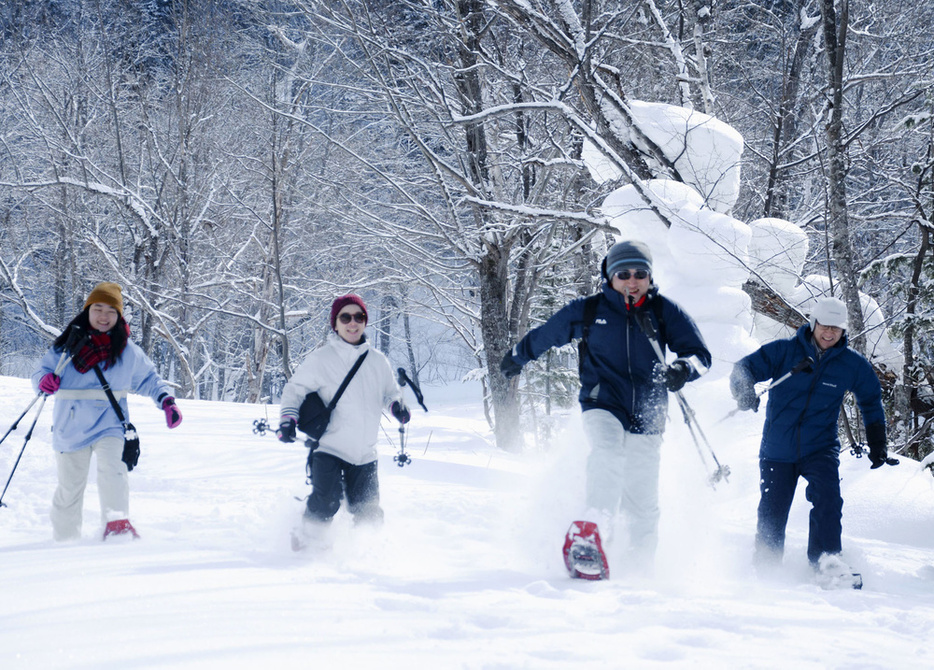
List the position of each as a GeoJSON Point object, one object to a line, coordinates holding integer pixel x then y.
{"type": "Point", "coordinates": [404, 379]}
{"type": "Point", "coordinates": [402, 459]}
{"type": "Point", "coordinates": [722, 471]}
{"type": "Point", "coordinates": [25, 442]}
{"type": "Point", "coordinates": [76, 340]}
{"type": "Point", "coordinates": [42, 397]}
{"type": "Point", "coordinates": [856, 447]}
{"type": "Point", "coordinates": [58, 369]}
{"type": "Point", "coordinates": [806, 364]}
{"type": "Point", "coordinates": [20, 418]}
{"type": "Point", "coordinates": [62, 362]}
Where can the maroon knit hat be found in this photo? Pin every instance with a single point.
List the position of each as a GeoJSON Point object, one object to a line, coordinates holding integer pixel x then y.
{"type": "Point", "coordinates": [341, 303]}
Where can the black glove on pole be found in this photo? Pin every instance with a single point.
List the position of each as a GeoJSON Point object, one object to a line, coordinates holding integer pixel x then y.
{"type": "Point", "coordinates": [400, 412]}
{"type": "Point", "coordinates": [286, 432]}
{"type": "Point", "coordinates": [676, 375]}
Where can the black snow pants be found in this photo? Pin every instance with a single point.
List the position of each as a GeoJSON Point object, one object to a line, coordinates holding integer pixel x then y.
{"type": "Point", "coordinates": [332, 477]}
{"type": "Point", "coordinates": [777, 485]}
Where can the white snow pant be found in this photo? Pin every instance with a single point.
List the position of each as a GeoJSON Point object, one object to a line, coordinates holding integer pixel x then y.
{"type": "Point", "coordinates": [622, 474]}
{"type": "Point", "coordinates": [113, 486]}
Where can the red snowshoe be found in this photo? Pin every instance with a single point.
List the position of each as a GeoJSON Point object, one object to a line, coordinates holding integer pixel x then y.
{"type": "Point", "coordinates": [583, 552]}
{"type": "Point", "coordinates": [120, 527]}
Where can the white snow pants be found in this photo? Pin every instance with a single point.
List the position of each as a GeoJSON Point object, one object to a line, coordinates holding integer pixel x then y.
{"type": "Point", "coordinates": [113, 486]}
{"type": "Point", "coordinates": [622, 474]}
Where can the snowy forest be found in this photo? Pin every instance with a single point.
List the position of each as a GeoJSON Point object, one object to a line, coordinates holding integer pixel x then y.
{"type": "Point", "coordinates": [236, 164]}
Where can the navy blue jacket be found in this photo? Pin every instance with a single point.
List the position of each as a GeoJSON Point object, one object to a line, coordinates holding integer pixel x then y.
{"type": "Point", "coordinates": [801, 415]}
{"type": "Point", "coordinates": [621, 371]}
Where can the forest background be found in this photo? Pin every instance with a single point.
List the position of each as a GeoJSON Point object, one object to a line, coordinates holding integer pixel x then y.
{"type": "Point", "coordinates": [235, 164]}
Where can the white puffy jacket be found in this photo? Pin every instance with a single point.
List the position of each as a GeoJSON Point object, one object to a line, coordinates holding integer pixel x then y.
{"type": "Point", "coordinates": [354, 427]}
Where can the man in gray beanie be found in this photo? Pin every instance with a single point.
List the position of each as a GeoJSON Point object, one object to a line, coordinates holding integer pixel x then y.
{"type": "Point", "coordinates": [799, 437]}
{"type": "Point", "coordinates": [623, 396]}
{"type": "Point", "coordinates": [631, 254]}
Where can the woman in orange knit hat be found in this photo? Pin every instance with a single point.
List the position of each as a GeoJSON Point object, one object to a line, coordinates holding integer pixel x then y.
{"type": "Point", "coordinates": [84, 421]}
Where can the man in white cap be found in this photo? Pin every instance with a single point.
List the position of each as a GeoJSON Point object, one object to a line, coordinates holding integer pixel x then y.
{"type": "Point", "coordinates": [799, 437]}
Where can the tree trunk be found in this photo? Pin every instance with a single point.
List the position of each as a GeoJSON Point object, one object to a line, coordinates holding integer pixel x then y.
{"type": "Point", "coordinates": [786, 124]}
{"type": "Point", "coordinates": [835, 32]}
{"type": "Point", "coordinates": [496, 342]}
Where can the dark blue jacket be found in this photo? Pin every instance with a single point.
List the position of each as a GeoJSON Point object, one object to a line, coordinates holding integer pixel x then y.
{"type": "Point", "coordinates": [621, 371]}
{"type": "Point", "coordinates": [801, 415]}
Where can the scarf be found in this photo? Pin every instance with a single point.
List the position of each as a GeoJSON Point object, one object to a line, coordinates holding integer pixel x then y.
{"type": "Point", "coordinates": [95, 350]}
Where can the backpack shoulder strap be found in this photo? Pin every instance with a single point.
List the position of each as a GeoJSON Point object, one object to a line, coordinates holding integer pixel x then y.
{"type": "Point", "coordinates": [591, 303]}
{"type": "Point", "coordinates": [590, 314]}
{"type": "Point", "coordinates": [658, 310]}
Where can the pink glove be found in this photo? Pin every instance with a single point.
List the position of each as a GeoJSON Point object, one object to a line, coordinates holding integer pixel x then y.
{"type": "Point", "coordinates": [173, 416]}
{"type": "Point", "coordinates": [49, 383]}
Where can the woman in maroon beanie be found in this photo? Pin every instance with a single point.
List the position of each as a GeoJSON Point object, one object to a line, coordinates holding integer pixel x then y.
{"type": "Point", "coordinates": [345, 457]}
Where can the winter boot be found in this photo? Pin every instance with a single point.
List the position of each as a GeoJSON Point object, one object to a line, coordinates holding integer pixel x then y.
{"type": "Point", "coordinates": [120, 527]}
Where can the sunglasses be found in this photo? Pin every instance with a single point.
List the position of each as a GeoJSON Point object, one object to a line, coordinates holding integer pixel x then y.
{"type": "Point", "coordinates": [359, 317]}
{"type": "Point", "coordinates": [626, 274]}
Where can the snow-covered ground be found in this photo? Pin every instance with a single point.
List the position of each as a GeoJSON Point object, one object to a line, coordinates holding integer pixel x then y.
{"type": "Point", "coordinates": [465, 573]}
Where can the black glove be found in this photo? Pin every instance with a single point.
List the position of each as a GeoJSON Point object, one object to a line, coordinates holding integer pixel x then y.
{"type": "Point", "coordinates": [509, 367]}
{"type": "Point", "coordinates": [400, 412]}
{"type": "Point", "coordinates": [875, 438]}
{"type": "Point", "coordinates": [286, 432]}
{"type": "Point", "coordinates": [676, 375]}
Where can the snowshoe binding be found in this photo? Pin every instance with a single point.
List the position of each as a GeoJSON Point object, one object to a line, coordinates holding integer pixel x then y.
{"type": "Point", "coordinates": [583, 552]}
{"type": "Point", "coordinates": [833, 573]}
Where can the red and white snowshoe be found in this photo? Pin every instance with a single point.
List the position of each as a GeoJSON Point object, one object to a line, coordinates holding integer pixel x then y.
{"type": "Point", "coordinates": [583, 552]}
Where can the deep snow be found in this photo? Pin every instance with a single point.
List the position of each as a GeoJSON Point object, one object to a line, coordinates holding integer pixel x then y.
{"type": "Point", "coordinates": [465, 573]}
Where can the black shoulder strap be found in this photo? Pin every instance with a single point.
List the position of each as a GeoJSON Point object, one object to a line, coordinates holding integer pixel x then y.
{"type": "Point", "coordinates": [353, 371]}
{"type": "Point", "coordinates": [110, 394]}
{"type": "Point", "coordinates": [657, 308]}
{"type": "Point", "coordinates": [590, 315]}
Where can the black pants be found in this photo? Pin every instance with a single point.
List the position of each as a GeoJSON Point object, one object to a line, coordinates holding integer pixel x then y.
{"type": "Point", "coordinates": [332, 477]}
{"type": "Point", "coordinates": [777, 485]}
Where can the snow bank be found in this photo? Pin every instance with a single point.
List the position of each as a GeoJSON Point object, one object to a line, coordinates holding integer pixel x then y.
{"type": "Point", "coordinates": [465, 573]}
{"type": "Point", "coordinates": [705, 151]}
